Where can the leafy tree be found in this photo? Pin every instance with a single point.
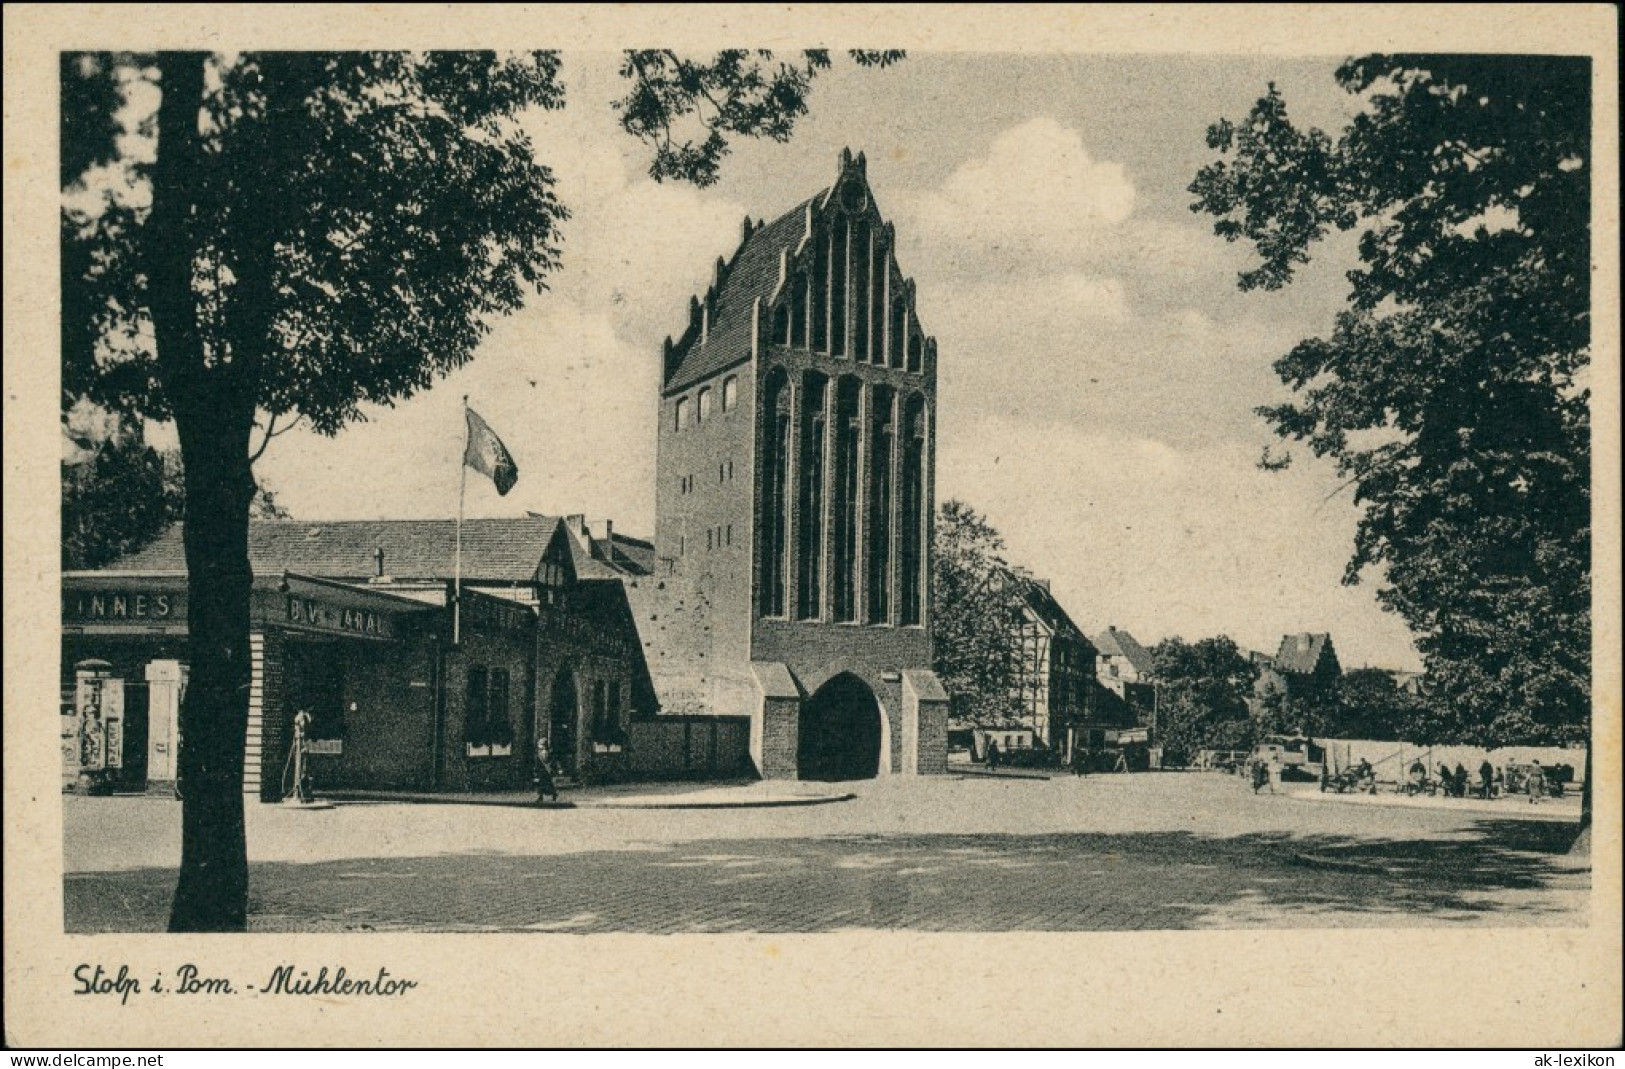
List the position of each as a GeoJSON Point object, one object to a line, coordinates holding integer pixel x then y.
{"type": "Point", "coordinates": [1450, 392]}
{"type": "Point", "coordinates": [977, 610]}
{"type": "Point", "coordinates": [740, 92]}
{"type": "Point", "coordinates": [1371, 705]}
{"type": "Point", "coordinates": [287, 237]}
{"type": "Point", "coordinates": [119, 494]}
{"type": "Point", "coordinates": [116, 497]}
{"type": "Point", "coordinates": [1203, 689]}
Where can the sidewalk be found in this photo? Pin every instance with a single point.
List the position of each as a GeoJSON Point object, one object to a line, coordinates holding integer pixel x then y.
{"type": "Point", "coordinates": [742, 795]}
{"type": "Point", "coordinates": [1513, 806]}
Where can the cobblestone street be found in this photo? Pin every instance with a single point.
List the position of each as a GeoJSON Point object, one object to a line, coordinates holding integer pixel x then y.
{"type": "Point", "coordinates": [1165, 851]}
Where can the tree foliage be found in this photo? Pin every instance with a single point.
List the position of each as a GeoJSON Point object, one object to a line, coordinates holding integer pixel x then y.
{"type": "Point", "coordinates": [978, 606]}
{"type": "Point", "coordinates": [734, 93]}
{"type": "Point", "coordinates": [117, 496]}
{"type": "Point", "coordinates": [1451, 391]}
{"type": "Point", "coordinates": [1203, 688]}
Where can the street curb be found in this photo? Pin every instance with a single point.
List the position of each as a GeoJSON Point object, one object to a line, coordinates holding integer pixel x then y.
{"type": "Point", "coordinates": [766, 803]}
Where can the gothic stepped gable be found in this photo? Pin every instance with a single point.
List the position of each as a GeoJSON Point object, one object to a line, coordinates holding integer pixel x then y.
{"type": "Point", "coordinates": [754, 292]}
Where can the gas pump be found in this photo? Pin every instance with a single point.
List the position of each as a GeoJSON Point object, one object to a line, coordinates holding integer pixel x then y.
{"type": "Point", "coordinates": [299, 795]}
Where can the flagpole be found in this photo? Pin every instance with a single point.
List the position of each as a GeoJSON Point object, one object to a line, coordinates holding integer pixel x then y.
{"type": "Point", "coordinates": [457, 567]}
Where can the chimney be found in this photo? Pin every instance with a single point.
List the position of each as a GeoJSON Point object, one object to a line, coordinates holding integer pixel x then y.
{"type": "Point", "coordinates": [576, 522]}
{"type": "Point", "coordinates": [378, 562]}
{"type": "Point", "coordinates": [609, 532]}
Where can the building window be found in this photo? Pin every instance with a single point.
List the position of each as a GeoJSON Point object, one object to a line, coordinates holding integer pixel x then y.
{"type": "Point", "coordinates": [474, 717]}
{"type": "Point", "coordinates": [730, 393]}
{"type": "Point", "coordinates": [898, 338]}
{"type": "Point", "coordinates": [860, 257]}
{"type": "Point", "coordinates": [818, 295]}
{"type": "Point", "coordinates": [499, 726]}
{"type": "Point", "coordinates": [775, 492]}
{"type": "Point", "coordinates": [879, 528]}
{"type": "Point", "coordinates": [797, 338]}
{"type": "Point", "coordinates": [847, 500]}
{"type": "Point", "coordinates": [781, 332]}
{"type": "Point", "coordinates": [916, 349]}
{"type": "Point", "coordinates": [704, 408]}
{"type": "Point", "coordinates": [877, 302]}
{"type": "Point", "coordinates": [913, 512]}
{"type": "Point", "coordinates": [728, 534]}
{"type": "Point", "coordinates": [600, 711]}
{"type": "Point", "coordinates": [680, 420]}
{"type": "Point", "coordinates": [838, 265]}
{"type": "Point", "coordinates": [810, 563]}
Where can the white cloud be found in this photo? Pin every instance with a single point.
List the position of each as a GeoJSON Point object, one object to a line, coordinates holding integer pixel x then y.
{"type": "Point", "coordinates": [1033, 175]}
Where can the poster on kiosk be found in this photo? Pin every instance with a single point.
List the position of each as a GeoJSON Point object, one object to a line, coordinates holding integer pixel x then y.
{"type": "Point", "coordinates": [99, 710]}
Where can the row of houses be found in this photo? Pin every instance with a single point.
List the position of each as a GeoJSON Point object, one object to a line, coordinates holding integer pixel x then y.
{"type": "Point", "coordinates": [1099, 694]}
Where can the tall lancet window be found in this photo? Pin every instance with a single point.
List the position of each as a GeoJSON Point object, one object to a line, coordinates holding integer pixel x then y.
{"type": "Point", "coordinates": [773, 551]}
{"type": "Point", "coordinates": [879, 528]}
{"type": "Point", "coordinates": [877, 302]}
{"type": "Point", "coordinates": [818, 294]}
{"type": "Point", "coordinates": [848, 500]}
{"type": "Point", "coordinates": [916, 348]}
{"type": "Point", "coordinates": [838, 261]}
{"type": "Point", "coordinates": [898, 340]}
{"type": "Point", "coordinates": [810, 534]}
{"type": "Point", "coordinates": [913, 526]}
{"type": "Point", "coordinates": [798, 312]}
{"type": "Point", "coordinates": [860, 289]}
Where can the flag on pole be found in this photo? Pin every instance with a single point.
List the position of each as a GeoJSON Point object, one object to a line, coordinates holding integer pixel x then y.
{"type": "Point", "coordinates": [486, 454]}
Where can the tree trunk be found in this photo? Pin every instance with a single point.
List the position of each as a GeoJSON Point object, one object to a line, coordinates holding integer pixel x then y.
{"type": "Point", "coordinates": [213, 409]}
{"type": "Point", "coordinates": [212, 894]}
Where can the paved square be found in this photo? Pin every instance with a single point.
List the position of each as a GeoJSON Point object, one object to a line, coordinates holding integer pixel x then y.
{"type": "Point", "coordinates": [1107, 853]}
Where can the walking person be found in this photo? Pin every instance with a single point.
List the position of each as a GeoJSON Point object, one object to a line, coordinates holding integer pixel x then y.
{"type": "Point", "coordinates": [1275, 772]}
{"type": "Point", "coordinates": [1537, 783]}
{"type": "Point", "coordinates": [546, 788]}
{"type": "Point", "coordinates": [1261, 776]}
{"type": "Point", "coordinates": [1486, 779]}
{"type": "Point", "coordinates": [1461, 781]}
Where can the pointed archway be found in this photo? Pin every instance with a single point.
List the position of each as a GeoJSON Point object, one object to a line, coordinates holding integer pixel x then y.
{"type": "Point", "coordinates": [840, 732]}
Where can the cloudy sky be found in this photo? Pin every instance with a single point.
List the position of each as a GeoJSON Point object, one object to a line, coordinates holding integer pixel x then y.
{"type": "Point", "coordinates": [1098, 367]}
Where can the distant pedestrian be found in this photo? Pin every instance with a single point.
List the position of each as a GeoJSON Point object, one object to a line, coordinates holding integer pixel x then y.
{"type": "Point", "coordinates": [1486, 779]}
{"type": "Point", "coordinates": [1537, 783]}
{"type": "Point", "coordinates": [546, 788]}
{"type": "Point", "coordinates": [1461, 781]}
{"type": "Point", "coordinates": [1261, 776]}
{"type": "Point", "coordinates": [993, 754]}
{"type": "Point", "coordinates": [1275, 772]}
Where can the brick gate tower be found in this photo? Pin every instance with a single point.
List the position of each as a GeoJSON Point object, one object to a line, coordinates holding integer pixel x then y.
{"type": "Point", "coordinates": [794, 499]}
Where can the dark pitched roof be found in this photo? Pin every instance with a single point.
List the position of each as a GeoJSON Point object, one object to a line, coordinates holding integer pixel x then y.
{"type": "Point", "coordinates": [494, 550]}
{"type": "Point", "coordinates": [1115, 643]}
{"type": "Point", "coordinates": [1300, 653]}
{"type": "Point", "coordinates": [753, 273]}
{"type": "Point", "coordinates": [1047, 609]}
